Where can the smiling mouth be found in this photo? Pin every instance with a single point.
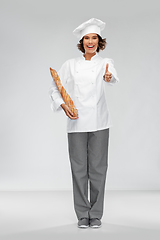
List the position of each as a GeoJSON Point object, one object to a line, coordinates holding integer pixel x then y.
{"type": "Point", "coordinates": [90, 47]}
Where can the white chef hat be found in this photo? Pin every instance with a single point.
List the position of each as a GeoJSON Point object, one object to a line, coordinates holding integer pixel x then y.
{"type": "Point", "coordinates": [93, 25]}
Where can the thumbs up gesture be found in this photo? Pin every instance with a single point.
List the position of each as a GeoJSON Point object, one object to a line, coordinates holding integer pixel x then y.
{"type": "Point", "coordinates": [107, 75]}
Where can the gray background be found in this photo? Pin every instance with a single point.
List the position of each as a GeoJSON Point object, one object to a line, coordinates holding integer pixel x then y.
{"type": "Point", "coordinates": [36, 35]}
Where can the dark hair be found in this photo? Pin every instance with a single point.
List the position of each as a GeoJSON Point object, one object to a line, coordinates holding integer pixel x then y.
{"type": "Point", "coordinates": [101, 44]}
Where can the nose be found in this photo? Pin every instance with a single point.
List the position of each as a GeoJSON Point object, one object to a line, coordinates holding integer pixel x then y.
{"type": "Point", "coordinates": [90, 40]}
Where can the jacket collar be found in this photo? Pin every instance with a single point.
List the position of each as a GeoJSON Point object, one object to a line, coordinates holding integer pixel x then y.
{"type": "Point", "coordinates": [93, 58]}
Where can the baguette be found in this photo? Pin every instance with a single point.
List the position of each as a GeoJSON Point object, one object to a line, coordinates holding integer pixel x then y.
{"type": "Point", "coordinates": [66, 98]}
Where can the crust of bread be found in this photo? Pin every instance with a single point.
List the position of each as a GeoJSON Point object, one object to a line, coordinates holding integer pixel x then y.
{"type": "Point", "coordinates": [66, 98]}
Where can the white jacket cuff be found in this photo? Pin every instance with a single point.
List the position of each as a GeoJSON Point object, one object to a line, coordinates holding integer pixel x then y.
{"type": "Point", "coordinates": [56, 104]}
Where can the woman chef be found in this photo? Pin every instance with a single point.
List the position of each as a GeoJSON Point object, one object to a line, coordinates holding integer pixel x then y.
{"type": "Point", "coordinates": [84, 78]}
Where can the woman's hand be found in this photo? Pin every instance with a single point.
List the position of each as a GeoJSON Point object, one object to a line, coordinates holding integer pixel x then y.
{"type": "Point", "coordinates": [68, 112]}
{"type": "Point", "coordinates": [107, 75]}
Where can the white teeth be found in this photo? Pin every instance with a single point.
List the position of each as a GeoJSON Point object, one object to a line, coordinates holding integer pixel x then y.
{"type": "Point", "coordinates": [90, 46]}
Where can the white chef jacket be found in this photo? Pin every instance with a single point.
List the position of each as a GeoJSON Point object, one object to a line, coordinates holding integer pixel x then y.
{"type": "Point", "coordinates": [83, 81]}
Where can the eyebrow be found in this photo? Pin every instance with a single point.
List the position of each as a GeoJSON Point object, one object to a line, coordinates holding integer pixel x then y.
{"type": "Point", "coordinates": [92, 36]}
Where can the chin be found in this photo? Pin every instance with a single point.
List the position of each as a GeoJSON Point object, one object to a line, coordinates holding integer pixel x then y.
{"type": "Point", "coordinates": [91, 51]}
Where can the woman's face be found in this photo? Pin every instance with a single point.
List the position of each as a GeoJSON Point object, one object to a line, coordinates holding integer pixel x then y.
{"type": "Point", "coordinates": [90, 43]}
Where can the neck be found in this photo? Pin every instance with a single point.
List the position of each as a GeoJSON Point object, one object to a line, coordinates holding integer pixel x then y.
{"type": "Point", "coordinates": [88, 56]}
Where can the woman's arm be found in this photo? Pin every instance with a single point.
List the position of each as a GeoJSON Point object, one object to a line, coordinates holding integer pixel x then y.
{"type": "Point", "coordinates": [110, 75]}
{"type": "Point", "coordinates": [54, 94]}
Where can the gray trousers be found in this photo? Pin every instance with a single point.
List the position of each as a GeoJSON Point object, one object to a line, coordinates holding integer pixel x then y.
{"type": "Point", "coordinates": [88, 152]}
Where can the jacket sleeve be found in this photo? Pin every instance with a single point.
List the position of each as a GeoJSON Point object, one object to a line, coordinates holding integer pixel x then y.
{"type": "Point", "coordinates": [55, 97]}
{"type": "Point", "coordinates": [112, 70]}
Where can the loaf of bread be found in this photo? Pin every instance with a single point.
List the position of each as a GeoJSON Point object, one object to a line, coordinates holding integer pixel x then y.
{"type": "Point", "coordinates": [66, 98]}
